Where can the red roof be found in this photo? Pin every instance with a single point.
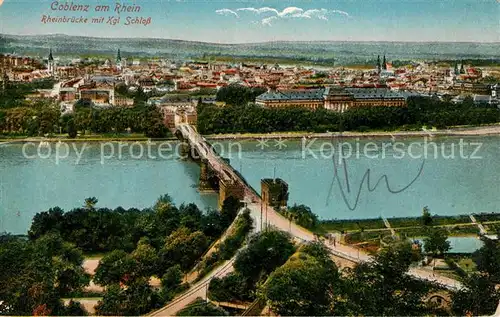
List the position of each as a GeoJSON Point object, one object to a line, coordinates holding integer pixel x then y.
{"type": "Point", "coordinates": [206, 85]}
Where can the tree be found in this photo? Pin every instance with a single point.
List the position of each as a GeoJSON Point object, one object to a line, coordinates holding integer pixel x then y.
{"type": "Point", "coordinates": [487, 259]}
{"type": "Point", "coordinates": [182, 247]}
{"type": "Point", "coordinates": [137, 299]}
{"type": "Point", "coordinates": [31, 279]}
{"type": "Point", "coordinates": [170, 282]}
{"type": "Point", "coordinates": [114, 267]}
{"type": "Point", "coordinates": [266, 251]}
{"type": "Point", "coordinates": [42, 310]}
{"type": "Point", "coordinates": [190, 217]}
{"type": "Point", "coordinates": [199, 307]}
{"type": "Point", "coordinates": [146, 259]}
{"type": "Point", "coordinates": [426, 217]}
{"type": "Point", "coordinates": [478, 296]}
{"type": "Point", "coordinates": [237, 95]}
{"type": "Point", "coordinates": [436, 242]}
{"type": "Point", "coordinates": [46, 221]}
{"type": "Point", "coordinates": [229, 210]}
{"type": "Point", "coordinates": [90, 203]}
{"type": "Point", "coordinates": [71, 129]}
{"type": "Point", "coordinates": [111, 303]}
{"type": "Point", "coordinates": [140, 97]}
{"type": "Point", "coordinates": [302, 215]}
{"type": "Point", "coordinates": [306, 285]}
{"type": "Point", "coordinates": [383, 287]}
{"type": "Point", "coordinates": [74, 309]}
{"type": "Point", "coordinates": [233, 287]}
{"type": "Point", "coordinates": [154, 126]}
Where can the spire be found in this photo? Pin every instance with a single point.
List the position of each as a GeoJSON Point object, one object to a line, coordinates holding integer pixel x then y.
{"type": "Point", "coordinates": [118, 56]}
{"type": "Point", "coordinates": [51, 58]}
{"type": "Point", "coordinates": [384, 64]}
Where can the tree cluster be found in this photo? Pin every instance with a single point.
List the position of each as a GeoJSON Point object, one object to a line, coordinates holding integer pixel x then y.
{"type": "Point", "coordinates": [21, 117]}
{"type": "Point", "coordinates": [35, 274]}
{"type": "Point", "coordinates": [39, 119]}
{"type": "Point", "coordinates": [230, 245]}
{"type": "Point", "coordinates": [139, 119]}
{"type": "Point", "coordinates": [301, 215]}
{"type": "Point", "coordinates": [480, 294]}
{"type": "Point", "coordinates": [264, 253]}
{"type": "Point", "coordinates": [14, 94]}
{"type": "Point", "coordinates": [200, 307]}
{"type": "Point", "coordinates": [164, 240]}
{"type": "Point", "coordinates": [238, 95]}
{"type": "Point", "coordinates": [306, 285]}
{"type": "Point", "coordinates": [419, 112]}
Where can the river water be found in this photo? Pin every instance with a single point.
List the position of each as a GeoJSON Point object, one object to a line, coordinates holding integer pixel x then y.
{"type": "Point", "coordinates": [468, 182]}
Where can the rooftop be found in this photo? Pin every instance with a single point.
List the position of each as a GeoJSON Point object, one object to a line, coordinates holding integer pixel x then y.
{"type": "Point", "coordinates": [318, 94]}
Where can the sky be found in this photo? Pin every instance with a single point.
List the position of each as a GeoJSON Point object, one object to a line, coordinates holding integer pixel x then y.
{"type": "Point", "coordinates": [249, 21]}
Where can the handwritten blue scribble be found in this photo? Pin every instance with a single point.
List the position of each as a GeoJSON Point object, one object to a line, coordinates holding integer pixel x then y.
{"type": "Point", "coordinates": [366, 177]}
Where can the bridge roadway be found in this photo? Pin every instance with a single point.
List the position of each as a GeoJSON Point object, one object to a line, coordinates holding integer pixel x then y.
{"type": "Point", "coordinates": [266, 216]}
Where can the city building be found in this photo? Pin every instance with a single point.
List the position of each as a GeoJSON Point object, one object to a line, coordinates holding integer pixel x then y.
{"type": "Point", "coordinates": [332, 98]}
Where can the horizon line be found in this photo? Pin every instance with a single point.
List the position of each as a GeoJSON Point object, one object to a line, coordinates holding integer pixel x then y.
{"type": "Point", "coordinates": [246, 43]}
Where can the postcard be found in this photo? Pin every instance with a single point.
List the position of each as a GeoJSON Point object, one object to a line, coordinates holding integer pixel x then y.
{"type": "Point", "coordinates": [254, 158]}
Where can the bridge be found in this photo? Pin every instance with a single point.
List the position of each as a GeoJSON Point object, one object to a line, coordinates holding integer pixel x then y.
{"type": "Point", "coordinates": [231, 183]}
{"type": "Point", "coordinates": [228, 181]}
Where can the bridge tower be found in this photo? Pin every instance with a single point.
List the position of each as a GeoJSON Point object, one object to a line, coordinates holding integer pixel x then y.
{"type": "Point", "coordinates": [274, 192]}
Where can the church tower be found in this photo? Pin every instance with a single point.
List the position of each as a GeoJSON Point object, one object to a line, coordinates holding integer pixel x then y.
{"type": "Point", "coordinates": [119, 60]}
{"type": "Point", "coordinates": [51, 66]}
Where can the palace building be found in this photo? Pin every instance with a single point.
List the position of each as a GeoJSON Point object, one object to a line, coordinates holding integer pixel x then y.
{"type": "Point", "coordinates": [332, 98]}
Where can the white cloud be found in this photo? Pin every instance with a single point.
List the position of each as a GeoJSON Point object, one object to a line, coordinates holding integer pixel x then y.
{"type": "Point", "coordinates": [341, 12]}
{"type": "Point", "coordinates": [259, 10]}
{"type": "Point", "coordinates": [316, 13]}
{"type": "Point", "coordinates": [227, 12]}
{"type": "Point", "coordinates": [287, 13]}
{"type": "Point", "coordinates": [267, 21]}
{"type": "Point", "coordinates": [291, 12]}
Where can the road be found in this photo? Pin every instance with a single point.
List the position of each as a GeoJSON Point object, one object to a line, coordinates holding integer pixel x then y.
{"type": "Point", "coordinates": [264, 216]}
{"type": "Point", "coordinates": [200, 288]}
{"type": "Point", "coordinates": [273, 219]}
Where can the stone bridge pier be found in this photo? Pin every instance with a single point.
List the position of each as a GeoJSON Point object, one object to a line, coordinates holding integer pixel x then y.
{"type": "Point", "coordinates": [208, 178]}
{"type": "Point", "coordinates": [228, 189]}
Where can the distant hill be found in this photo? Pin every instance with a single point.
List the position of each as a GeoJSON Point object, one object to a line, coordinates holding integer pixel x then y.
{"type": "Point", "coordinates": [315, 52]}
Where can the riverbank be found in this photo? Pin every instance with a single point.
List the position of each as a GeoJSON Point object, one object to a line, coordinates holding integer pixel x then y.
{"type": "Point", "coordinates": [93, 138]}
{"type": "Point", "coordinates": [456, 131]}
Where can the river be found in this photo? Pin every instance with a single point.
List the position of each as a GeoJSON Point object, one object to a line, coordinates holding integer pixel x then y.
{"type": "Point", "coordinates": [466, 183]}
